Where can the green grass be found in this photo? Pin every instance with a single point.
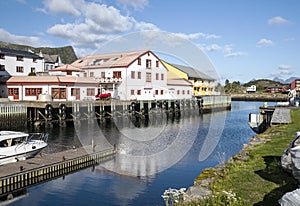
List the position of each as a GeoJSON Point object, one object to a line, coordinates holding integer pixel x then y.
{"type": "Point", "coordinates": [260, 180]}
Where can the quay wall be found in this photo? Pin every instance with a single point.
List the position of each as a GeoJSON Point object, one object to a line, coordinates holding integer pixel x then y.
{"type": "Point", "coordinates": [266, 97]}
{"type": "Point", "coordinates": [17, 176]}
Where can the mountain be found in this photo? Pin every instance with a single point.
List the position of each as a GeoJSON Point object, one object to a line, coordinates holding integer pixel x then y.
{"type": "Point", "coordinates": [66, 53]}
{"type": "Point", "coordinates": [287, 81]}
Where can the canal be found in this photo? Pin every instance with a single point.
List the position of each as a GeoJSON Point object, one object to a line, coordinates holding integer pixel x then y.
{"type": "Point", "coordinates": [153, 156]}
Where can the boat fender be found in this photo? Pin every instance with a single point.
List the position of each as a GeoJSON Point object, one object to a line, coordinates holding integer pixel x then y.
{"type": "Point", "coordinates": [62, 110]}
{"type": "Point", "coordinates": [48, 111]}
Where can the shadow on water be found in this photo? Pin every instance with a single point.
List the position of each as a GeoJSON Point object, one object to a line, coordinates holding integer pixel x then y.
{"type": "Point", "coordinates": [274, 173]}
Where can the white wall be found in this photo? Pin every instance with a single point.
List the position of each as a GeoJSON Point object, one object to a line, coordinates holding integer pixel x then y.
{"type": "Point", "coordinates": [11, 63]}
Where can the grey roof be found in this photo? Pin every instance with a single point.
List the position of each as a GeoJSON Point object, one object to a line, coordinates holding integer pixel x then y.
{"type": "Point", "coordinates": [51, 58]}
{"type": "Point", "coordinates": [13, 52]}
{"type": "Point", "coordinates": [192, 73]}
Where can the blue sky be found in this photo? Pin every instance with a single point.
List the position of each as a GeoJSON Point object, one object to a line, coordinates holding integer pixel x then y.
{"type": "Point", "coordinates": [243, 39]}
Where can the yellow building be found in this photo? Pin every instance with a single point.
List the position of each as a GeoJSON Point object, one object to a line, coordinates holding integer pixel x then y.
{"type": "Point", "coordinates": [202, 83]}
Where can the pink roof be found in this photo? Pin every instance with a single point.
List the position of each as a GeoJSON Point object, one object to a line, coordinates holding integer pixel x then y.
{"type": "Point", "coordinates": [117, 59]}
{"type": "Point", "coordinates": [34, 80]}
{"type": "Point", "coordinates": [65, 68]}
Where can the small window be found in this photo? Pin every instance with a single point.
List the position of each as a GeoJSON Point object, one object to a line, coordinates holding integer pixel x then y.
{"type": "Point", "coordinates": [132, 92]}
{"type": "Point", "coordinates": [20, 58]}
{"type": "Point", "coordinates": [139, 61]}
{"type": "Point", "coordinates": [2, 56]}
{"type": "Point", "coordinates": [139, 75]}
{"type": "Point", "coordinates": [157, 63]}
{"type": "Point", "coordinates": [157, 76]}
{"type": "Point", "coordinates": [138, 92]}
{"type": "Point", "coordinates": [91, 74]}
{"type": "Point", "coordinates": [148, 63]}
{"type": "Point", "coordinates": [132, 74]}
{"type": "Point", "coordinates": [148, 77]}
{"type": "Point", "coordinates": [162, 77]}
{"type": "Point", "coordinates": [19, 69]}
{"type": "Point", "coordinates": [2, 67]}
{"type": "Point", "coordinates": [161, 92]}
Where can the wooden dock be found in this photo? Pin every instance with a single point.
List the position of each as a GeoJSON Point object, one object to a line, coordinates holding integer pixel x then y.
{"type": "Point", "coordinates": [281, 115]}
{"type": "Point", "coordinates": [15, 176]}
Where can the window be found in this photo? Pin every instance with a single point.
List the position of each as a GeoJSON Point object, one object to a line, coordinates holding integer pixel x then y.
{"type": "Point", "coordinates": [90, 91]}
{"type": "Point", "coordinates": [85, 74]}
{"type": "Point", "coordinates": [139, 61]}
{"type": "Point", "coordinates": [157, 63]}
{"type": "Point", "coordinates": [103, 75]}
{"type": "Point", "coordinates": [2, 67]}
{"type": "Point", "coordinates": [161, 92]}
{"type": "Point", "coordinates": [34, 59]}
{"type": "Point", "coordinates": [32, 69]}
{"type": "Point", "coordinates": [178, 92]}
{"type": "Point", "coordinates": [91, 74]}
{"type": "Point", "coordinates": [75, 91]}
{"type": "Point", "coordinates": [58, 93]}
{"type": "Point", "coordinates": [156, 92]}
{"type": "Point", "coordinates": [20, 58]}
{"type": "Point", "coordinates": [132, 74]}
{"type": "Point", "coordinates": [139, 75]}
{"type": "Point", "coordinates": [132, 92]}
{"type": "Point", "coordinates": [138, 92]}
{"type": "Point", "coordinates": [33, 91]}
{"type": "Point", "coordinates": [2, 56]}
{"type": "Point", "coordinates": [13, 91]}
{"type": "Point", "coordinates": [20, 69]}
{"type": "Point", "coordinates": [162, 77]}
{"type": "Point", "coordinates": [148, 63]}
{"type": "Point", "coordinates": [157, 76]}
{"type": "Point", "coordinates": [117, 74]}
{"type": "Point", "coordinates": [183, 92]}
{"type": "Point", "coordinates": [188, 92]}
{"type": "Point", "coordinates": [148, 77]}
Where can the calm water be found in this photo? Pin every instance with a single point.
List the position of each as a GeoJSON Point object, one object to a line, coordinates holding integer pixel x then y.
{"type": "Point", "coordinates": [166, 154]}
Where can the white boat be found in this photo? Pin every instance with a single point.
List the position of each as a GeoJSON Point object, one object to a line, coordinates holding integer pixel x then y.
{"type": "Point", "coordinates": [17, 146]}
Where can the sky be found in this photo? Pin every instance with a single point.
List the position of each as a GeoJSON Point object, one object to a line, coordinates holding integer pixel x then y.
{"type": "Point", "coordinates": [242, 39]}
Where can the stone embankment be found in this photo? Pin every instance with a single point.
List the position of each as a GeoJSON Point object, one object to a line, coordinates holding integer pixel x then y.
{"type": "Point", "coordinates": [201, 187]}
{"type": "Point", "coordinates": [260, 97]}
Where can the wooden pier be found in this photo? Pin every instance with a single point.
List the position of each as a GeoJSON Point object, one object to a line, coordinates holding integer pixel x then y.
{"type": "Point", "coordinates": [22, 174]}
{"type": "Point", "coordinates": [41, 113]}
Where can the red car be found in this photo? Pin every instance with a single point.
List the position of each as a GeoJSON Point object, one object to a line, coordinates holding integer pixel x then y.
{"type": "Point", "coordinates": [103, 96]}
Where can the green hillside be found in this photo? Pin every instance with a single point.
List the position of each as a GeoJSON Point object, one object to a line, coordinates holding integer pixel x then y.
{"type": "Point", "coordinates": [66, 53]}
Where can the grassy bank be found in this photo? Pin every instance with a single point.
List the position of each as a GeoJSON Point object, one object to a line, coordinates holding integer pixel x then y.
{"type": "Point", "coordinates": [258, 180]}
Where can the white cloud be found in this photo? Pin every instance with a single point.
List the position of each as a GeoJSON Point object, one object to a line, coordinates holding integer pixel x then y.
{"type": "Point", "coordinates": [284, 67]}
{"type": "Point", "coordinates": [277, 20]}
{"type": "Point", "coordinates": [228, 50]}
{"type": "Point", "coordinates": [66, 6]}
{"type": "Point", "coordinates": [211, 47]}
{"type": "Point", "coordinates": [11, 38]}
{"type": "Point", "coordinates": [198, 35]}
{"type": "Point", "coordinates": [264, 42]}
{"type": "Point", "coordinates": [136, 4]}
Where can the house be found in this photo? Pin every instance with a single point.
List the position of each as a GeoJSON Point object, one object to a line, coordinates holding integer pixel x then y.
{"type": "Point", "coordinates": [133, 75]}
{"type": "Point", "coordinates": [295, 85]}
{"type": "Point", "coordinates": [202, 83]}
{"type": "Point", "coordinates": [19, 62]}
{"type": "Point", "coordinates": [65, 70]}
{"type": "Point", "coordinates": [180, 88]}
{"type": "Point", "coordinates": [50, 61]}
{"type": "Point", "coordinates": [60, 88]}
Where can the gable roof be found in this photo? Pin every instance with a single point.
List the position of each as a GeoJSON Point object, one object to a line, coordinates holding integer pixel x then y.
{"type": "Point", "coordinates": [191, 72]}
{"type": "Point", "coordinates": [51, 58]}
{"type": "Point", "coordinates": [110, 60]}
{"type": "Point", "coordinates": [66, 68]}
{"type": "Point", "coordinates": [179, 82]}
{"type": "Point", "coordinates": [51, 80]}
{"type": "Point", "coordinates": [13, 52]}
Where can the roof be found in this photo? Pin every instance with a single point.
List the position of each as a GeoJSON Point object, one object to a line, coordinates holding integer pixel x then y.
{"type": "Point", "coordinates": [191, 72]}
{"type": "Point", "coordinates": [117, 59]}
{"type": "Point", "coordinates": [51, 80]}
{"type": "Point", "coordinates": [51, 58]}
{"type": "Point", "coordinates": [66, 68]}
{"type": "Point", "coordinates": [13, 52]}
{"type": "Point", "coordinates": [179, 82]}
